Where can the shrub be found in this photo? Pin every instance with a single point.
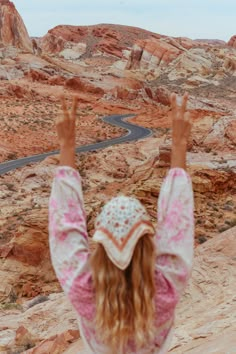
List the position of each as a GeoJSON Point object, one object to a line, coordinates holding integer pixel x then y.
{"type": "Point", "coordinates": [11, 306]}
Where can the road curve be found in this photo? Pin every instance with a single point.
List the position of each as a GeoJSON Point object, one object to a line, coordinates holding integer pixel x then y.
{"type": "Point", "coordinates": [135, 132]}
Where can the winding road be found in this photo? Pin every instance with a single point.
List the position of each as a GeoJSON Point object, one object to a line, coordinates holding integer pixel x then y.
{"type": "Point", "coordinates": [135, 132]}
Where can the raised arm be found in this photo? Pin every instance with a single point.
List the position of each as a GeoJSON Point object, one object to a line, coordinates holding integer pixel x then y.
{"type": "Point", "coordinates": [68, 237]}
{"type": "Point", "coordinates": [175, 235]}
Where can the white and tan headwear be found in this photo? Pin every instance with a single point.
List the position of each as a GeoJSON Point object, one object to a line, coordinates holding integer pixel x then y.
{"type": "Point", "coordinates": [119, 226]}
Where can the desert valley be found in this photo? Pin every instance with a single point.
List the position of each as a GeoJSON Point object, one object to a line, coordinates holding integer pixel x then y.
{"type": "Point", "coordinates": [113, 69]}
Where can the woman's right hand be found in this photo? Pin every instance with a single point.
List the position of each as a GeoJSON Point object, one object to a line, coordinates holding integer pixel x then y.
{"type": "Point", "coordinates": [181, 129]}
{"type": "Point", "coordinates": [65, 125]}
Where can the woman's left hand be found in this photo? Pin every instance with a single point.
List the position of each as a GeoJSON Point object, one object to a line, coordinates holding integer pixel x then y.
{"type": "Point", "coordinates": [65, 124]}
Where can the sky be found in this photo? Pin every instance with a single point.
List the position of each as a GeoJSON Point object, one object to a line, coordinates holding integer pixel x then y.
{"type": "Point", "coordinates": [209, 19]}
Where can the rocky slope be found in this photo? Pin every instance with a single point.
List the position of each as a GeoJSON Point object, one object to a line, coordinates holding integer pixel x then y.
{"type": "Point", "coordinates": [114, 69]}
{"type": "Point", "coordinates": [205, 317]}
{"type": "Point", "coordinates": [211, 297]}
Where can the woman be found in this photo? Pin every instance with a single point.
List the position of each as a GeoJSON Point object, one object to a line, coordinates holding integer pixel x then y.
{"type": "Point", "coordinates": [125, 292]}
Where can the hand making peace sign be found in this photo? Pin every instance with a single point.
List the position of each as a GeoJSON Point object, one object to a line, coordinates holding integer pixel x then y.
{"type": "Point", "coordinates": [181, 128]}
{"type": "Point", "coordinates": [65, 124]}
{"type": "Point", "coordinates": [181, 121]}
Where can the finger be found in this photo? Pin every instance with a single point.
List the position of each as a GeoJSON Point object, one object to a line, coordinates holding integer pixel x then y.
{"type": "Point", "coordinates": [74, 107]}
{"type": "Point", "coordinates": [173, 102]}
{"type": "Point", "coordinates": [64, 108]}
{"type": "Point", "coordinates": [59, 119]}
{"type": "Point", "coordinates": [184, 103]}
{"type": "Point", "coordinates": [188, 120]}
{"type": "Point", "coordinates": [187, 117]}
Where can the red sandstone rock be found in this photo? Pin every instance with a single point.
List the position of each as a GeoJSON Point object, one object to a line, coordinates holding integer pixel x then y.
{"type": "Point", "coordinates": [19, 91]}
{"type": "Point", "coordinates": [52, 44]}
{"type": "Point", "coordinates": [83, 86]}
{"type": "Point", "coordinates": [110, 39]}
{"type": "Point", "coordinates": [56, 344]}
{"type": "Point", "coordinates": [12, 28]}
{"type": "Point", "coordinates": [56, 80]}
{"type": "Point", "coordinates": [230, 131]}
{"type": "Point", "coordinates": [160, 94]}
{"type": "Point", "coordinates": [150, 53]}
{"type": "Point", "coordinates": [232, 42]}
{"type": "Point", "coordinates": [23, 337]}
{"type": "Point", "coordinates": [165, 155]}
{"type": "Point", "coordinates": [124, 93]}
{"type": "Point", "coordinates": [223, 131]}
{"type": "Point", "coordinates": [37, 75]}
{"type": "Point", "coordinates": [186, 43]}
{"type": "Point", "coordinates": [230, 64]}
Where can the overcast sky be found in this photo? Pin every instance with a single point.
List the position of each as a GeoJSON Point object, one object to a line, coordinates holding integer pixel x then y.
{"type": "Point", "coordinates": [211, 19]}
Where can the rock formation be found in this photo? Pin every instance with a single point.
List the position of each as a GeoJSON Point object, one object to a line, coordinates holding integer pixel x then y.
{"type": "Point", "coordinates": [12, 29]}
{"type": "Point", "coordinates": [232, 41]}
{"type": "Point", "coordinates": [110, 39]}
{"type": "Point", "coordinates": [149, 54]}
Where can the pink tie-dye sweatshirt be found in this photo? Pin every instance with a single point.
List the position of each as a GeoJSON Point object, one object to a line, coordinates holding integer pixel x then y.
{"type": "Point", "coordinates": [68, 241]}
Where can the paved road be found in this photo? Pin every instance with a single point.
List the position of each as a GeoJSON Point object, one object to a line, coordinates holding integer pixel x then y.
{"type": "Point", "coordinates": [134, 133]}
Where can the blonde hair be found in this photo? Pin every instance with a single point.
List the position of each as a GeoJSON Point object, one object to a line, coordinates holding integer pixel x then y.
{"type": "Point", "coordinates": [124, 298]}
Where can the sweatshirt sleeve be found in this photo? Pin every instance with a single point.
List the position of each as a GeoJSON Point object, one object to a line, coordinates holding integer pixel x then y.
{"type": "Point", "coordinates": [68, 238]}
{"type": "Point", "coordinates": [175, 233]}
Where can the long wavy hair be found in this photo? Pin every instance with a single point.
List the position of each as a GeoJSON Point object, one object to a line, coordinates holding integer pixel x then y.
{"type": "Point", "coordinates": [124, 298]}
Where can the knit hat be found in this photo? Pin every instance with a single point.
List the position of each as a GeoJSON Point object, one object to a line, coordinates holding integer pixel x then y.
{"type": "Point", "coordinates": [119, 226]}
